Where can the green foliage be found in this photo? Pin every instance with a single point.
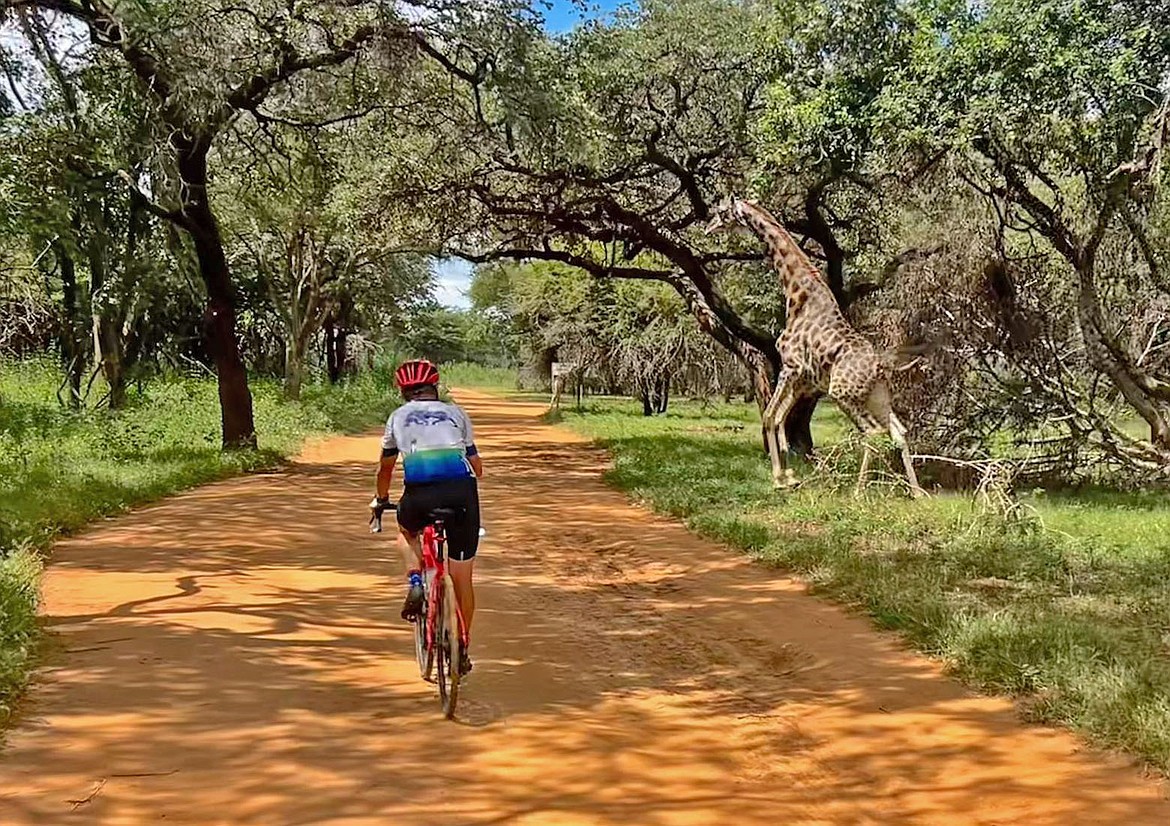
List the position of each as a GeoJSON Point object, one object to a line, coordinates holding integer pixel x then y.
{"type": "Point", "coordinates": [628, 336]}
{"type": "Point", "coordinates": [300, 257]}
{"type": "Point", "coordinates": [96, 253]}
{"type": "Point", "coordinates": [472, 375]}
{"type": "Point", "coordinates": [438, 334]}
{"type": "Point", "coordinates": [60, 469]}
{"type": "Point", "coordinates": [19, 574]}
{"type": "Point", "coordinates": [1072, 618]}
{"type": "Point", "coordinates": [1064, 84]}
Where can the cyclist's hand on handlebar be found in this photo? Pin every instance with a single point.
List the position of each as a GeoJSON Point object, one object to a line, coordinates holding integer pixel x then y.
{"type": "Point", "coordinates": [378, 506]}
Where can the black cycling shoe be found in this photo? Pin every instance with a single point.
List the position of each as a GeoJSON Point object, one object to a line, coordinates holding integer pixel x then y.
{"type": "Point", "coordinates": [464, 662]}
{"type": "Point", "coordinates": [413, 605]}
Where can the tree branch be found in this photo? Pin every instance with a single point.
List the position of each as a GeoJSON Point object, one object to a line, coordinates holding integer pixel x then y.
{"type": "Point", "coordinates": [590, 265]}
{"type": "Point", "coordinates": [252, 93]}
{"type": "Point", "coordinates": [175, 216]}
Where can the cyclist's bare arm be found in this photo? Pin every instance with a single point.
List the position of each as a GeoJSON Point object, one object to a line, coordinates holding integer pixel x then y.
{"type": "Point", "coordinates": [386, 474]}
{"type": "Point", "coordinates": [473, 459]}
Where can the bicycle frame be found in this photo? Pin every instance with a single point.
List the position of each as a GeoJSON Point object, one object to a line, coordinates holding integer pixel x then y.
{"type": "Point", "coordinates": [428, 637]}
{"type": "Point", "coordinates": [434, 542]}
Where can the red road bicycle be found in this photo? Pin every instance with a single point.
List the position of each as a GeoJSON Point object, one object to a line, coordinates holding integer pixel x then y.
{"type": "Point", "coordinates": [440, 635]}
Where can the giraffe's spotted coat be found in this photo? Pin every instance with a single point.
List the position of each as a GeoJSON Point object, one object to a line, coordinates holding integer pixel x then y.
{"type": "Point", "coordinates": [820, 349]}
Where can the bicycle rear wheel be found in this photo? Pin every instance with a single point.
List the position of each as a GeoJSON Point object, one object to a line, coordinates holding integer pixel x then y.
{"type": "Point", "coordinates": [448, 655]}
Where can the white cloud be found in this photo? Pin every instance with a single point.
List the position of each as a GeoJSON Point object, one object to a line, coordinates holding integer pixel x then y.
{"type": "Point", "coordinates": [452, 280]}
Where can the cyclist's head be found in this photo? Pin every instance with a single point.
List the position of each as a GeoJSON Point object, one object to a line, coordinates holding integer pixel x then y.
{"type": "Point", "coordinates": [417, 377]}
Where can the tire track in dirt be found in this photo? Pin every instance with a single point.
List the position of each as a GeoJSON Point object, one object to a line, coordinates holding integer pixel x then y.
{"type": "Point", "coordinates": [232, 656]}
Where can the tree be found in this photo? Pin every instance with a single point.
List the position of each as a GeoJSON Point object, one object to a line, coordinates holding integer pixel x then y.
{"type": "Point", "coordinates": [626, 336]}
{"type": "Point", "coordinates": [200, 65]}
{"type": "Point", "coordinates": [604, 150]}
{"type": "Point", "coordinates": [288, 225]}
{"type": "Point", "coordinates": [102, 255]}
{"type": "Point", "coordinates": [1059, 113]}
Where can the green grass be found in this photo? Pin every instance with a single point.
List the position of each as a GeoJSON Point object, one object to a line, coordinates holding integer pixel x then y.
{"type": "Point", "coordinates": [60, 469]}
{"type": "Point", "coordinates": [1067, 610]}
{"type": "Point", "coordinates": [464, 374]}
{"type": "Point", "coordinates": [19, 575]}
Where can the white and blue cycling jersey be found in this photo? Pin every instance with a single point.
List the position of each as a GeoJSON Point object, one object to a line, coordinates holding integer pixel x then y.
{"type": "Point", "coordinates": [435, 439]}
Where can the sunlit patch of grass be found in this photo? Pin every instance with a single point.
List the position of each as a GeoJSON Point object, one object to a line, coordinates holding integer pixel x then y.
{"type": "Point", "coordinates": [463, 374]}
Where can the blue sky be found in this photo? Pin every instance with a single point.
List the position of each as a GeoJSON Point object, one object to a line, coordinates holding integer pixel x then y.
{"type": "Point", "coordinates": [453, 275]}
{"type": "Point", "coordinates": [564, 15]}
{"type": "Point", "coordinates": [452, 278]}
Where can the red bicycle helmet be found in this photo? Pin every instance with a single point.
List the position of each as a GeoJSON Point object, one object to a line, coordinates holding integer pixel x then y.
{"type": "Point", "coordinates": [416, 372]}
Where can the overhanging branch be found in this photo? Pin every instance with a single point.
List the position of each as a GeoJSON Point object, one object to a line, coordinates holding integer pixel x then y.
{"type": "Point", "coordinates": [141, 198]}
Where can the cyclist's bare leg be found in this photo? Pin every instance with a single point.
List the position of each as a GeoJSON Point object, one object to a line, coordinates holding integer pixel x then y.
{"type": "Point", "coordinates": [461, 572]}
{"type": "Point", "coordinates": [410, 545]}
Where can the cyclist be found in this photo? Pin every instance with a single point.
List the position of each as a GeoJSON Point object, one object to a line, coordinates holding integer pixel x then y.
{"type": "Point", "coordinates": [440, 467]}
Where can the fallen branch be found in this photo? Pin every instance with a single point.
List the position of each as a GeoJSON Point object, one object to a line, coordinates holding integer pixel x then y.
{"type": "Point", "coordinates": [77, 804]}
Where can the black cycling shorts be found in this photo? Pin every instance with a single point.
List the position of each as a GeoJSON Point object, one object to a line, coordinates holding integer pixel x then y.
{"type": "Point", "coordinates": [418, 503]}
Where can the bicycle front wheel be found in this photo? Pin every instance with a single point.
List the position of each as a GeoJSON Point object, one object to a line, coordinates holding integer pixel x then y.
{"type": "Point", "coordinates": [448, 656]}
{"type": "Point", "coordinates": [424, 653]}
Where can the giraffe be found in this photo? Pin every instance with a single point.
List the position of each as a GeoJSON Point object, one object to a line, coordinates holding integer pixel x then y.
{"type": "Point", "coordinates": [820, 350]}
{"type": "Point", "coordinates": [561, 374]}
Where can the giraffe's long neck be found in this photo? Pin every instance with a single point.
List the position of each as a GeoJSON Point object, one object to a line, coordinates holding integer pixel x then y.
{"type": "Point", "coordinates": [797, 273]}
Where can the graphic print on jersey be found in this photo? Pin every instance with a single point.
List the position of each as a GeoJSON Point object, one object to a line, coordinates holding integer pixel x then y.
{"type": "Point", "coordinates": [433, 438]}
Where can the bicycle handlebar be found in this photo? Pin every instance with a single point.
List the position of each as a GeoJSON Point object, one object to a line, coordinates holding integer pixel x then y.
{"type": "Point", "coordinates": [376, 511]}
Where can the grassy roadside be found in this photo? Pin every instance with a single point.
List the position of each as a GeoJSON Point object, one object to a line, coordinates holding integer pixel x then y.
{"type": "Point", "coordinates": [60, 469]}
{"type": "Point", "coordinates": [1068, 610]}
{"type": "Point", "coordinates": [478, 376]}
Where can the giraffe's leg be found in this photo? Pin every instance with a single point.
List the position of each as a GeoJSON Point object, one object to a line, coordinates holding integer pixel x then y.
{"type": "Point", "coordinates": [776, 428]}
{"type": "Point", "coordinates": [779, 465]}
{"type": "Point", "coordinates": [777, 442]}
{"type": "Point", "coordinates": [898, 434]}
{"type": "Point", "coordinates": [869, 426]}
{"type": "Point", "coordinates": [866, 455]}
{"type": "Point", "coordinates": [773, 418]}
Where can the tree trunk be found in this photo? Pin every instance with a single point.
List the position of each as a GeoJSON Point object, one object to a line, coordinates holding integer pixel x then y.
{"type": "Point", "coordinates": [798, 427]}
{"type": "Point", "coordinates": [662, 396]}
{"type": "Point", "coordinates": [334, 349]}
{"type": "Point", "coordinates": [294, 371]}
{"type": "Point", "coordinates": [113, 367]}
{"type": "Point", "coordinates": [219, 316]}
{"type": "Point", "coordinates": [647, 407]}
{"type": "Point", "coordinates": [107, 318]}
{"type": "Point", "coordinates": [107, 333]}
{"type": "Point", "coordinates": [1146, 395]}
{"type": "Point", "coordinates": [72, 348]}
{"type": "Point", "coordinates": [344, 365]}
{"type": "Point", "coordinates": [121, 338]}
{"type": "Point", "coordinates": [822, 232]}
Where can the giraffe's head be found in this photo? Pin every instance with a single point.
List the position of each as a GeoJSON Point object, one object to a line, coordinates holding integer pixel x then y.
{"type": "Point", "coordinates": [729, 214]}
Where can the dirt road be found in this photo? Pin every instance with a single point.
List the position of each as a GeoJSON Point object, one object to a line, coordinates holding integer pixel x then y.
{"type": "Point", "coordinates": [231, 656]}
